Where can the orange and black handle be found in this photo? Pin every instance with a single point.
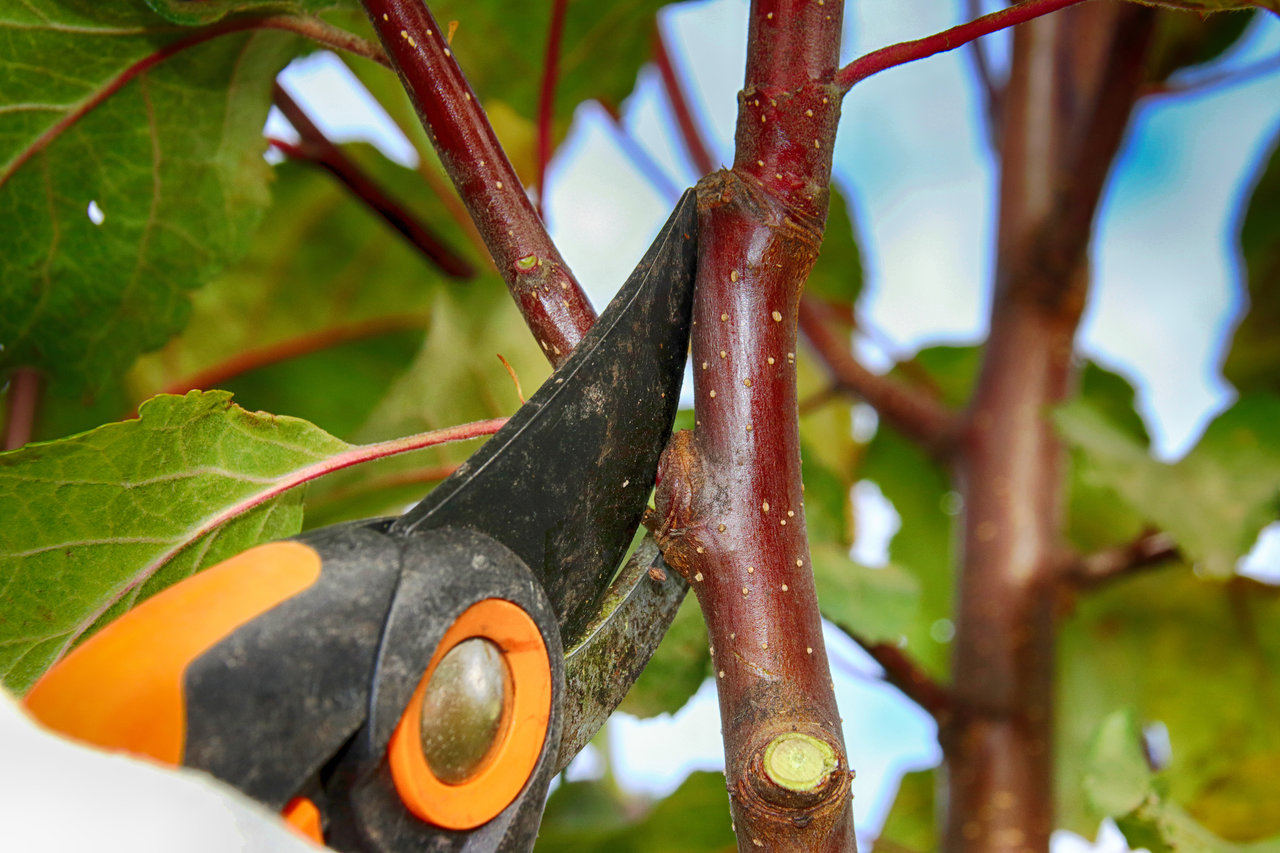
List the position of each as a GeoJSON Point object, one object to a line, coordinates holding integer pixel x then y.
{"type": "Point", "coordinates": [316, 675]}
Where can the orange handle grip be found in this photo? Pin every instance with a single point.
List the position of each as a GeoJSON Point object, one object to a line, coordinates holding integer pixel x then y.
{"type": "Point", "coordinates": [123, 687]}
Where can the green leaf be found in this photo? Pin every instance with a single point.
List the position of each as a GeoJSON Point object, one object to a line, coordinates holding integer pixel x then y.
{"type": "Point", "coordinates": [102, 520]}
{"type": "Point", "coordinates": [919, 490]}
{"type": "Point", "coordinates": [837, 275]}
{"type": "Point", "coordinates": [912, 822]}
{"type": "Point", "coordinates": [322, 270]}
{"type": "Point", "coordinates": [172, 159]}
{"type": "Point", "coordinates": [1119, 779]}
{"type": "Point", "coordinates": [1097, 517]}
{"type": "Point", "coordinates": [192, 12]}
{"type": "Point", "coordinates": [1122, 786]}
{"type": "Point", "coordinates": [878, 605]}
{"type": "Point", "coordinates": [589, 817]}
{"type": "Point", "coordinates": [1215, 501]}
{"type": "Point", "coordinates": [1253, 364]}
{"type": "Point", "coordinates": [1199, 657]}
{"type": "Point", "coordinates": [455, 378]}
{"type": "Point", "coordinates": [676, 670]}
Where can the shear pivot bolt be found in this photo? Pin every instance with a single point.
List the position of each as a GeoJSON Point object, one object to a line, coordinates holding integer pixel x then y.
{"type": "Point", "coordinates": [465, 710]}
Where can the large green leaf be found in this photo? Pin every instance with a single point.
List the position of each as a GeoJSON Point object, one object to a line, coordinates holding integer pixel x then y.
{"type": "Point", "coordinates": [210, 11]}
{"type": "Point", "coordinates": [877, 605]}
{"type": "Point", "coordinates": [591, 817]}
{"type": "Point", "coordinates": [170, 156]}
{"type": "Point", "coordinates": [99, 521]}
{"type": "Point", "coordinates": [1200, 657]}
{"type": "Point", "coordinates": [1215, 501]}
{"type": "Point", "coordinates": [321, 270]}
{"type": "Point", "coordinates": [1253, 364]}
{"type": "Point", "coordinates": [1122, 786]}
{"type": "Point", "coordinates": [1097, 517]}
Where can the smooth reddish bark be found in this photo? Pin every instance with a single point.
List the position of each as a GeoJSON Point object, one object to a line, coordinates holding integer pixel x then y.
{"type": "Point", "coordinates": [730, 500]}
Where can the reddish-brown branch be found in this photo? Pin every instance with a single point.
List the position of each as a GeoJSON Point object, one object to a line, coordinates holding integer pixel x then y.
{"type": "Point", "coordinates": [547, 98]}
{"type": "Point", "coordinates": [318, 149]}
{"type": "Point", "coordinates": [1149, 550]}
{"type": "Point", "coordinates": [22, 400]}
{"type": "Point", "coordinates": [906, 675]}
{"type": "Point", "coordinates": [730, 508]}
{"type": "Point", "coordinates": [910, 410]}
{"type": "Point", "coordinates": [554, 305]}
{"type": "Point", "coordinates": [248, 360]}
{"type": "Point", "coordinates": [1072, 86]}
{"type": "Point", "coordinates": [694, 144]}
{"type": "Point", "coordinates": [312, 28]}
{"type": "Point", "coordinates": [910, 51]}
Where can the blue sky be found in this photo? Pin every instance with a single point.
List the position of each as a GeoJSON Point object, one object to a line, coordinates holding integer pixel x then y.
{"type": "Point", "coordinates": [912, 159]}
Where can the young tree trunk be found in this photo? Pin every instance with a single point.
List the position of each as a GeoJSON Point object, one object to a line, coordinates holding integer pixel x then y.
{"type": "Point", "coordinates": [730, 499]}
{"type": "Point", "coordinates": [1074, 78]}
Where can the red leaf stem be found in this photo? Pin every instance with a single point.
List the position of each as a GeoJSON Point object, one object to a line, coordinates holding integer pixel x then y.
{"type": "Point", "coordinates": [910, 51]}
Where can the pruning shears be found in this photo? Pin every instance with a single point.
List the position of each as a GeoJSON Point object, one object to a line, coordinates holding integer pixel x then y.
{"type": "Point", "coordinates": [414, 683]}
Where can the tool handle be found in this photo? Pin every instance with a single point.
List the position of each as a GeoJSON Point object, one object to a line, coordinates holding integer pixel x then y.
{"type": "Point", "coordinates": [256, 669]}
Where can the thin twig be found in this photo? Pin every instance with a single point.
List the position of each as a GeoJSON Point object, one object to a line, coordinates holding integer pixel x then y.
{"type": "Point", "coordinates": [694, 144]}
{"type": "Point", "coordinates": [21, 403]}
{"type": "Point", "coordinates": [910, 410]}
{"type": "Point", "coordinates": [906, 675]}
{"type": "Point", "coordinates": [1149, 550]}
{"type": "Point", "coordinates": [317, 148]}
{"type": "Point", "coordinates": [547, 99]}
{"type": "Point", "coordinates": [910, 51]}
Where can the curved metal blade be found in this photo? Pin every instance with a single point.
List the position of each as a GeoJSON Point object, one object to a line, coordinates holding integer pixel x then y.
{"type": "Point", "coordinates": [564, 483]}
{"type": "Point", "coordinates": [600, 670]}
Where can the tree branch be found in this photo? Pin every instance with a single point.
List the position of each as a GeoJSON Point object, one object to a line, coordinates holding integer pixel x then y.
{"type": "Point", "coordinates": [909, 51]}
{"type": "Point", "coordinates": [906, 675]}
{"type": "Point", "coordinates": [694, 145]}
{"type": "Point", "coordinates": [1149, 550]}
{"type": "Point", "coordinates": [547, 98]}
{"type": "Point", "coordinates": [552, 302]}
{"type": "Point", "coordinates": [1072, 86]}
{"type": "Point", "coordinates": [21, 403]}
{"type": "Point", "coordinates": [915, 413]}
{"type": "Point", "coordinates": [318, 149]}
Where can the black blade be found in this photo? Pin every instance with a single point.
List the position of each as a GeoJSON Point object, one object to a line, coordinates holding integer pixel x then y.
{"type": "Point", "coordinates": [564, 483]}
